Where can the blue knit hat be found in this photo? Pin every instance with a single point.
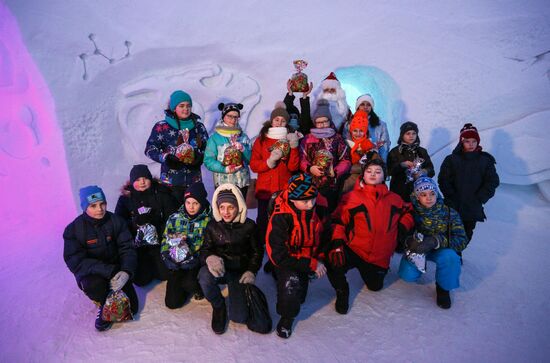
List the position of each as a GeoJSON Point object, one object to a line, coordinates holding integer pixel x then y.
{"type": "Point", "coordinates": [424, 183]}
{"type": "Point", "coordinates": [89, 195]}
{"type": "Point", "coordinates": [301, 187]}
{"type": "Point", "coordinates": [178, 97]}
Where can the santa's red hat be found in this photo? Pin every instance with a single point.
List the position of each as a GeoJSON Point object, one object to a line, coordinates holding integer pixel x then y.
{"type": "Point", "coordinates": [330, 82]}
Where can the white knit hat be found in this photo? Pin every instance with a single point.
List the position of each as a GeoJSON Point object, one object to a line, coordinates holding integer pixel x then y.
{"type": "Point", "coordinates": [366, 97]}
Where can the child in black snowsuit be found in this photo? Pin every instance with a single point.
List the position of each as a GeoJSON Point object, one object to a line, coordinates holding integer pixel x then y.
{"type": "Point", "coordinates": [146, 205]}
{"type": "Point", "coordinates": [468, 179]}
{"type": "Point", "coordinates": [98, 251]}
{"type": "Point", "coordinates": [408, 161]}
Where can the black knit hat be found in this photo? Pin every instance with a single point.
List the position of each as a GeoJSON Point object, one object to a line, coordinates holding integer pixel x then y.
{"type": "Point", "coordinates": [227, 196]}
{"type": "Point", "coordinates": [408, 126]}
{"type": "Point", "coordinates": [197, 192]}
{"type": "Point", "coordinates": [139, 171]}
{"type": "Point", "coordinates": [228, 107]}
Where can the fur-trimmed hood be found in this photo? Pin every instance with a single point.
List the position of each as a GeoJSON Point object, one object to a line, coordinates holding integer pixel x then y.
{"type": "Point", "coordinates": [241, 215]}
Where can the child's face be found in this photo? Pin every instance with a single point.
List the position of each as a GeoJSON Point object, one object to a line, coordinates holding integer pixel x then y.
{"type": "Point", "coordinates": [304, 204]}
{"type": "Point", "coordinates": [469, 145]}
{"type": "Point", "coordinates": [192, 206]}
{"type": "Point", "coordinates": [278, 121]}
{"type": "Point", "coordinates": [228, 212]}
{"type": "Point", "coordinates": [231, 118]}
{"type": "Point", "coordinates": [183, 110]}
{"type": "Point", "coordinates": [322, 122]}
{"type": "Point", "coordinates": [427, 198]}
{"type": "Point", "coordinates": [142, 184]}
{"type": "Point", "coordinates": [409, 137]}
{"type": "Point", "coordinates": [373, 175]}
{"type": "Point", "coordinates": [97, 210]}
{"type": "Point", "coordinates": [357, 134]}
{"type": "Point", "coordinates": [365, 106]}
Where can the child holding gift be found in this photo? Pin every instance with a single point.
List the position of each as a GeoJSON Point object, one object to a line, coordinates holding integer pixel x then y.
{"type": "Point", "coordinates": [181, 244]}
{"type": "Point", "coordinates": [98, 251]}
{"type": "Point", "coordinates": [325, 155]}
{"type": "Point", "coordinates": [178, 143]}
{"type": "Point", "coordinates": [440, 237]}
{"type": "Point", "coordinates": [408, 161]}
{"type": "Point", "coordinates": [275, 158]}
{"type": "Point", "coordinates": [228, 150]}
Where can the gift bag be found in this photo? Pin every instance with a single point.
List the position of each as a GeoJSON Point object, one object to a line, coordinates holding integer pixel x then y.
{"type": "Point", "coordinates": [323, 159]}
{"type": "Point", "coordinates": [146, 236]}
{"type": "Point", "coordinates": [259, 319]}
{"type": "Point", "coordinates": [116, 307]}
{"type": "Point", "coordinates": [233, 154]}
{"type": "Point", "coordinates": [184, 151]}
{"type": "Point", "coordinates": [283, 145]}
{"type": "Point", "coordinates": [417, 259]}
{"type": "Point", "coordinates": [298, 81]}
{"type": "Point", "coordinates": [179, 250]}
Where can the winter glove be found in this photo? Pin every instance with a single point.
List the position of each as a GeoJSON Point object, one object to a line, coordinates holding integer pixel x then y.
{"type": "Point", "coordinates": [119, 280]}
{"type": "Point", "coordinates": [293, 139]}
{"type": "Point", "coordinates": [247, 278]}
{"type": "Point", "coordinates": [276, 155]}
{"type": "Point", "coordinates": [419, 243]}
{"type": "Point", "coordinates": [215, 265]}
{"type": "Point", "coordinates": [336, 256]}
{"type": "Point", "coordinates": [230, 169]}
{"type": "Point", "coordinates": [321, 270]}
{"type": "Point", "coordinates": [173, 162]}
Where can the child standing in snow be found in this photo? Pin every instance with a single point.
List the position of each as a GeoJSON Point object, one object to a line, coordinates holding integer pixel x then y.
{"type": "Point", "coordinates": [366, 226]}
{"type": "Point", "coordinates": [408, 161]}
{"type": "Point", "coordinates": [181, 244]}
{"type": "Point", "coordinates": [228, 151]}
{"type": "Point", "coordinates": [145, 205]}
{"type": "Point", "coordinates": [439, 236]}
{"type": "Point", "coordinates": [98, 251]}
{"type": "Point", "coordinates": [325, 155]}
{"type": "Point", "coordinates": [468, 179]}
{"type": "Point", "coordinates": [230, 255]}
{"type": "Point", "coordinates": [295, 237]}
{"type": "Point", "coordinates": [178, 143]}
{"type": "Point", "coordinates": [360, 145]}
{"type": "Point", "coordinates": [275, 158]}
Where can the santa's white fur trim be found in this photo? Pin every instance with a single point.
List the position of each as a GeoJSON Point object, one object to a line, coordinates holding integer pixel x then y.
{"type": "Point", "coordinates": [330, 83]}
{"type": "Point", "coordinates": [361, 99]}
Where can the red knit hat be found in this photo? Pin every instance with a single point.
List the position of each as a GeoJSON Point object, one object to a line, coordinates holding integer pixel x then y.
{"type": "Point", "coordinates": [330, 82]}
{"type": "Point", "coordinates": [359, 121]}
{"type": "Point", "coordinates": [469, 131]}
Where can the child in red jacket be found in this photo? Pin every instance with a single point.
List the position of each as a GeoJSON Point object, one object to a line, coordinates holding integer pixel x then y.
{"type": "Point", "coordinates": [365, 226]}
{"type": "Point", "coordinates": [294, 241]}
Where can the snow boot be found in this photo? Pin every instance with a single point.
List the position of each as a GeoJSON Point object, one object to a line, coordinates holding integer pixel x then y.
{"type": "Point", "coordinates": [443, 297]}
{"type": "Point", "coordinates": [100, 324]}
{"type": "Point", "coordinates": [284, 327]}
{"type": "Point", "coordinates": [342, 301]}
{"type": "Point", "coordinates": [219, 319]}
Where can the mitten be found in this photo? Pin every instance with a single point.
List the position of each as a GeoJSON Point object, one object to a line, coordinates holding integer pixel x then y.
{"type": "Point", "coordinates": [276, 155]}
{"type": "Point", "coordinates": [336, 256]}
{"type": "Point", "coordinates": [247, 278]}
{"type": "Point", "coordinates": [215, 265]}
{"type": "Point", "coordinates": [173, 162]}
{"type": "Point", "coordinates": [293, 139]}
{"type": "Point", "coordinates": [119, 280]}
{"type": "Point", "coordinates": [230, 169]}
{"type": "Point", "coordinates": [418, 243]}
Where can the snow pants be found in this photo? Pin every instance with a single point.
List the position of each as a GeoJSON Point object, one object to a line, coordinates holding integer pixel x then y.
{"type": "Point", "coordinates": [292, 289]}
{"type": "Point", "coordinates": [97, 288]}
{"type": "Point", "coordinates": [237, 309]}
{"type": "Point", "coordinates": [180, 285]}
{"type": "Point", "coordinates": [447, 270]}
{"type": "Point", "coordinates": [150, 265]}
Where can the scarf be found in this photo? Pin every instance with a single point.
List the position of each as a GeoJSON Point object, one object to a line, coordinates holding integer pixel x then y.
{"type": "Point", "coordinates": [277, 133]}
{"type": "Point", "coordinates": [323, 133]}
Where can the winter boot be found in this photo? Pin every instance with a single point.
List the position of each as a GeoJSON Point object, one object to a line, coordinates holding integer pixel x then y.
{"type": "Point", "coordinates": [219, 319]}
{"type": "Point", "coordinates": [443, 297]}
{"type": "Point", "coordinates": [342, 301]}
{"type": "Point", "coordinates": [284, 327]}
{"type": "Point", "coordinates": [100, 324]}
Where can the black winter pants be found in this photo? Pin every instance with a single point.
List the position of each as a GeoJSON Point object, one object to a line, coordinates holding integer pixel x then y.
{"type": "Point", "coordinates": [180, 284]}
{"type": "Point", "coordinates": [292, 289]}
{"type": "Point", "coordinates": [372, 275]}
{"type": "Point", "coordinates": [150, 266]}
{"type": "Point", "coordinates": [469, 227]}
{"type": "Point", "coordinates": [97, 288]}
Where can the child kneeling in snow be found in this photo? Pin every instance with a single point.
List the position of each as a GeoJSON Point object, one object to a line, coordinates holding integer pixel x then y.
{"type": "Point", "coordinates": [294, 236]}
{"type": "Point", "coordinates": [440, 237]}
{"type": "Point", "coordinates": [230, 255]}
{"type": "Point", "coordinates": [98, 250]}
{"type": "Point", "coordinates": [181, 244]}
